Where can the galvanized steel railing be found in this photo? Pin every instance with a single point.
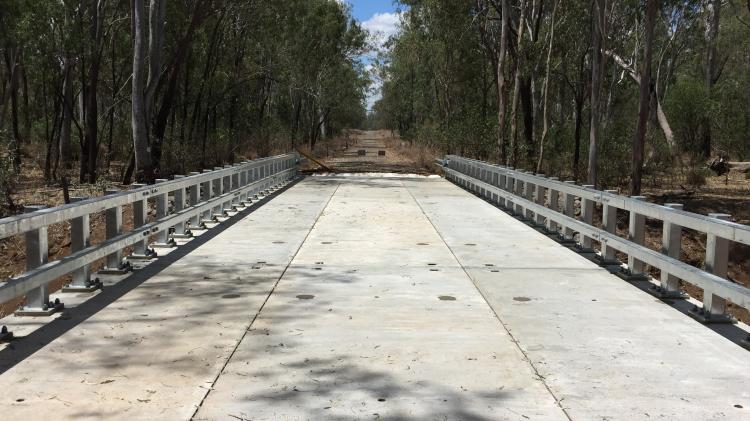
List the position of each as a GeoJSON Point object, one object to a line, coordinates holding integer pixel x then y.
{"type": "Point", "coordinates": [550, 205]}
{"type": "Point", "coordinates": [197, 198]}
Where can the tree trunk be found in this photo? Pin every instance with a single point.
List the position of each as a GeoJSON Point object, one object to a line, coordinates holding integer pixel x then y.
{"type": "Point", "coordinates": [598, 15]}
{"type": "Point", "coordinates": [645, 99]}
{"type": "Point", "coordinates": [545, 115]}
{"type": "Point", "coordinates": [67, 115]}
{"type": "Point", "coordinates": [502, 96]}
{"type": "Point", "coordinates": [143, 165]}
{"type": "Point", "coordinates": [712, 33]}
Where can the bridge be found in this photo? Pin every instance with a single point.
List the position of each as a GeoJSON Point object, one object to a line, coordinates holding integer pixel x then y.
{"type": "Point", "coordinates": [255, 293]}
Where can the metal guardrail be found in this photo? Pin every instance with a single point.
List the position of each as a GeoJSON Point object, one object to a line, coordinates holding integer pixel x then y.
{"type": "Point", "coordinates": [549, 204]}
{"type": "Point", "coordinates": [197, 198]}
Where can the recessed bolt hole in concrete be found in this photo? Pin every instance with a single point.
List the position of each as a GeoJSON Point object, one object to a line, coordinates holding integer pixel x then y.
{"type": "Point", "coordinates": [489, 264]}
{"type": "Point", "coordinates": [318, 268]}
{"type": "Point", "coordinates": [423, 244]}
{"type": "Point", "coordinates": [327, 242]}
{"type": "Point", "coordinates": [231, 296]}
{"type": "Point", "coordinates": [494, 271]}
{"type": "Point", "coordinates": [432, 264]}
{"type": "Point", "coordinates": [521, 299]}
{"type": "Point", "coordinates": [447, 298]}
{"type": "Point", "coordinates": [381, 399]}
{"type": "Point", "coordinates": [278, 242]}
{"type": "Point", "coordinates": [738, 406]}
{"type": "Point", "coordinates": [305, 297]}
{"type": "Point", "coordinates": [434, 270]}
{"type": "Point", "coordinates": [470, 244]}
{"type": "Point", "coordinates": [319, 263]}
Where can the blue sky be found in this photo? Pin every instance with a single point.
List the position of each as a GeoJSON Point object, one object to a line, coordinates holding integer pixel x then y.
{"type": "Point", "coordinates": [380, 18]}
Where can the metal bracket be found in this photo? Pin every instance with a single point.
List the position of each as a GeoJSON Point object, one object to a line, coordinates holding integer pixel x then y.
{"type": "Point", "coordinates": [47, 309]}
{"type": "Point", "coordinates": [628, 275]}
{"type": "Point", "coordinates": [91, 286]}
{"type": "Point", "coordinates": [706, 317]}
{"type": "Point", "coordinates": [661, 293]}
{"type": "Point", "coordinates": [124, 268]}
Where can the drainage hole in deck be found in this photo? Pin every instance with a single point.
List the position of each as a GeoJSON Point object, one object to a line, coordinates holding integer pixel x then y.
{"type": "Point", "coordinates": [447, 298]}
{"type": "Point", "coordinates": [305, 297]}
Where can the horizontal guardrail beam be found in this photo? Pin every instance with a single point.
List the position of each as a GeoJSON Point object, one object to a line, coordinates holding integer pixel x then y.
{"type": "Point", "coordinates": [725, 229]}
{"type": "Point", "coordinates": [50, 271]}
{"type": "Point", "coordinates": [461, 171]}
{"type": "Point", "coordinates": [19, 224]}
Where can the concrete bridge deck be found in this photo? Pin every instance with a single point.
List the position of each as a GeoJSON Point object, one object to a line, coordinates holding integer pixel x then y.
{"type": "Point", "coordinates": [374, 297]}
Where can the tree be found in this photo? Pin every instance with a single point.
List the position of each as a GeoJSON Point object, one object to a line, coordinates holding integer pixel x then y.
{"type": "Point", "coordinates": [645, 89]}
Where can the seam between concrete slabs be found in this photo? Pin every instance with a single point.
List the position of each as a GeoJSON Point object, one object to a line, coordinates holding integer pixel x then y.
{"type": "Point", "coordinates": [497, 316]}
{"type": "Point", "coordinates": [257, 314]}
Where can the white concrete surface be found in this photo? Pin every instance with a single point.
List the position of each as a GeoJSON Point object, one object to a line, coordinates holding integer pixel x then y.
{"type": "Point", "coordinates": [356, 328]}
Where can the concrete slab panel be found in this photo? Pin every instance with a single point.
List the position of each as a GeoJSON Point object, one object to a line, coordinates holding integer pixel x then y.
{"type": "Point", "coordinates": [605, 348]}
{"type": "Point", "coordinates": [153, 352]}
{"type": "Point", "coordinates": [366, 328]}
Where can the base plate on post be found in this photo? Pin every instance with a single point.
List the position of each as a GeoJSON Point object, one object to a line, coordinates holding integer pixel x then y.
{"type": "Point", "coordinates": [745, 343]}
{"type": "Point", "coordinates": [661, 293]}
{"type": "Point", "coordinates": [705, 317]}
{"type": "Point", "coordinates": [124, 268]}
{"type": "Point", "coordinates": [168, 245]}
{"type": "Point", "coordinates": [48, 310]}
{"type": "Point", "coordinates": [630, 276]}
{"type": "Point", "coordinates": [92, 286]}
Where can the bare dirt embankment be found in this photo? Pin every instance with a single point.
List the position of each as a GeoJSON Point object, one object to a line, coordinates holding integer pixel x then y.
{"type": "Point", "coordinates": [358, 151]}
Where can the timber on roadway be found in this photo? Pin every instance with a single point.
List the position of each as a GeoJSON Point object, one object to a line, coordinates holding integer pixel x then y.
{"type": "Point", "coordinates": [377, 297]}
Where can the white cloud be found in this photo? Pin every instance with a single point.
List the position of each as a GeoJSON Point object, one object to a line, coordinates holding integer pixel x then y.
{"type": "Point", "coordinates": [382, 26]}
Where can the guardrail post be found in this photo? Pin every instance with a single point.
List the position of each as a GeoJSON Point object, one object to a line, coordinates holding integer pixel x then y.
{"type": "Point", "coordinates": [717, 262]}
{"type": "Point", "coordinates": [163, 239]}
{"type": "Point", "coordinates": [206, 195]}
{"type": "Point", "coordinates": [180, 197]}
{"type": "Point", "coordinates": [587, 216]}
{"type": "Point", "coordinates": [37, 249]}
{"type": "Point", "coordinates": [609, 222]}
{"type": "Point", "coordinates": [80, 239]}
{"type": "Point", "coordinates": [636, 270]}
{"type": "Point", "coordinates": [554, 204]}
{"type": "Point", "coordinates": [528, 194]}
{"type": "Point", "coordinates": [226, 187]}
{"type": "Point", "coordinates": [518, 191]}
{"type": "Point", "coordinates": [140, 218]}
{"type": "Point", "coordinates": [671, 245]}
{"type": "Point", "coordinates": [113, 219]}
{"type": "Point", "coordinates": [194, 199]}
{"type": "Point", "coordinates": [568, 210]}
{"type": "Point", "coordinates": [510, 185]}
{"type": "Point", "coordinates": [216, 186]}
{"type": "Point", "coordinates": [243, 182]}
{"type": "Point", "coordinates": [541, 197]}
{"type": "Point", "coordinates": [501, 185]}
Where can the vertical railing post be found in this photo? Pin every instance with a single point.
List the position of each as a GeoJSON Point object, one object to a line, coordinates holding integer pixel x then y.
{"type": "Point", "coordinates": [540, 197]}
{"type": "Point", "coordinates": [193, 199]}
{"type": "Point", "coordinates": [569, 211]}
{"type": "Point", "coordinates": [636, 270]}
{"type": "Point", "coordinates": [216, 186]}
{"type": "Point", "coordinates": [609, 221]}
{"type": "Point", "coordinates": [243, 182]}
{"type": "Point", "coordinates": [554, 204]}
{"type": "Point", "coordinates": [207, 188]}
{"type": "Point", "coordinates": [717, 262]}
{"type": "Point", "coordinates": [518, 191]}
{"type": "Point", "coordinates": [671, 245]}
{"type": "Point", "coordinates": [163, 239]}
{"type": "Point", "coordinates": [113, 221]}
{"type": "Point", "coordinates": [180, 197]}
{"type": "Point", "coordinates": [80, 239]}
{"type": "Point", "coordinates": [587, 216]}
{"type": "Point", "coordinates": [510, 185]}
{"type": "Point", "coordinates": [140, 218]}
{"type": "Point", "coordinates": [37, 249]}
{"type": "Point", "coordinates": [226, 187]}
{"type": "Point", "coordinates": [528, 194]}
